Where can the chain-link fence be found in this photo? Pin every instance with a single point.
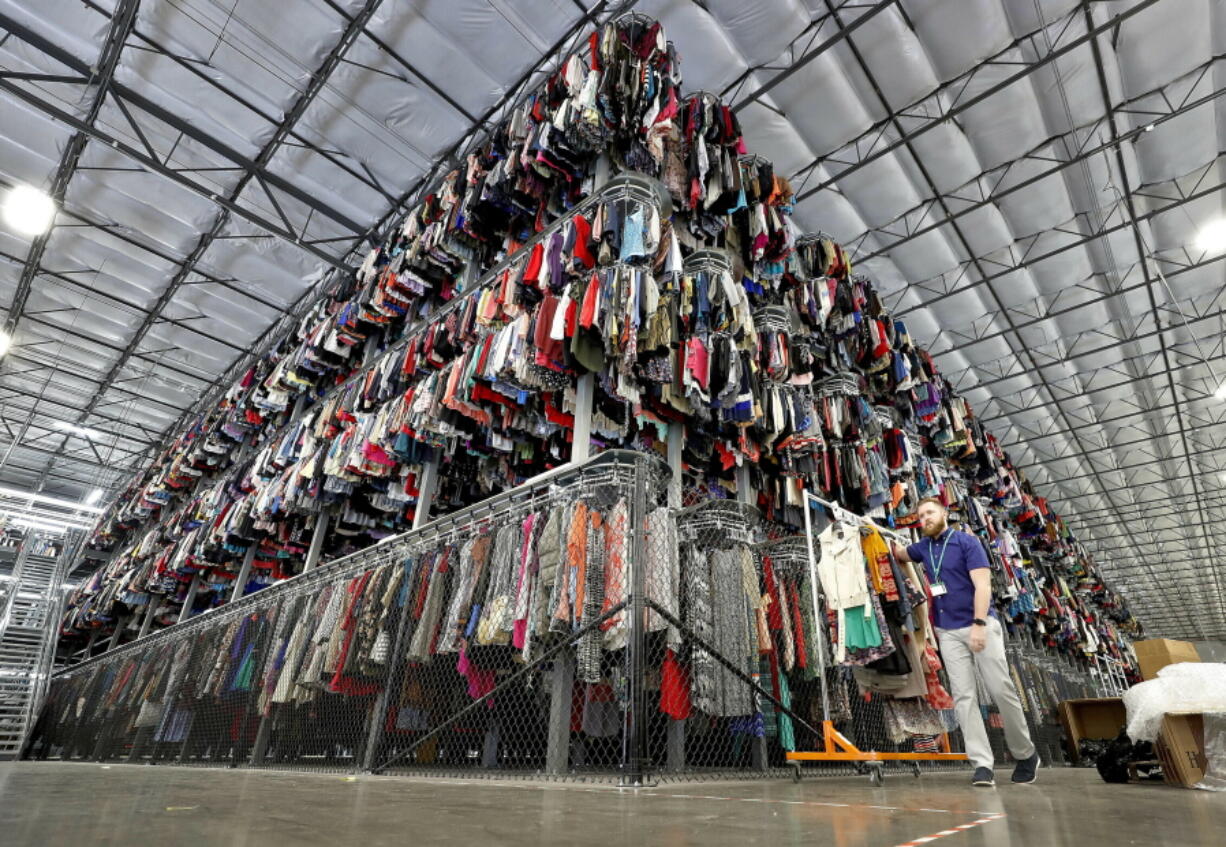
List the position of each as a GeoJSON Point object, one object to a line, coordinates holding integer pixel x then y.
{"type": "Point", "coordinates": [499, 639]}
{"type": "Point", "coordinates": [575, 627]}
{"type": "Point", "coordinates": [1043, 679]}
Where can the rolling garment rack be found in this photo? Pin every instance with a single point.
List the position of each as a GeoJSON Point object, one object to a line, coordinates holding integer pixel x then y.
{"type": "Point", "coordinates": [838, 747]}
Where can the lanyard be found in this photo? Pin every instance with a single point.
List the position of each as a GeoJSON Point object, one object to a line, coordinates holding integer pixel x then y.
{"type": "Point", "coordinates": [936, 562]}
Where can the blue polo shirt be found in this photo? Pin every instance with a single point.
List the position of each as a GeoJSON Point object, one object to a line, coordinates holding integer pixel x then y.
{"type": "Point", "coordinates": [963, 554]}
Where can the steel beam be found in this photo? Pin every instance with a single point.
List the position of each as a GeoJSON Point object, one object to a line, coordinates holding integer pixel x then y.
{"type": "Point", "coordinates": [932, 187]}
{"type": "Point", "coordinates": [1029, 261]}
{"type": "Point", "coordinates": [996, 176]}
{"type": "Point", "coordinates": [251, 168]}
{"type": "Point", "coordinates": [841, 34]}
{"type": "Point", "coordinates": [945, 115]}
{"type": "Point", "coordinates": [292, 116]}
{"type": "Point", "coordinates": [100, 78]}
{"type": "Point", "coordinates": [195, 68]}
{"type": "Point", "coordinates": [218, 385]}
{"type": "Point", "coordinates": [67, 280]}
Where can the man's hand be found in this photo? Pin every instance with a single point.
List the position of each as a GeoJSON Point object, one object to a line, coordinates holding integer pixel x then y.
{"type": "Point", "coordinates": [900, 553]}
{"type": "Point", "coordinates": [979, 638]}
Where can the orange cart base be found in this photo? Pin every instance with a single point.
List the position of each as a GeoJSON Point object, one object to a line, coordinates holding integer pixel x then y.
{"type": "Point", "coordinates": [840, 749]}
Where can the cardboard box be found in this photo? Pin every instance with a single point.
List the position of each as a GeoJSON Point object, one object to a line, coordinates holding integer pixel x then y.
{"type": "Point", "coordinates": [1181, 749]}
{"type": "Point", "coordinates": [1156, 653]}
{"type": "Point", "coordinates": [1094, 717]}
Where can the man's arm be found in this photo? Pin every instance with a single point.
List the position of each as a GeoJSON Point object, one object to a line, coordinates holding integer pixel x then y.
{"type": "Point", "coordinates": [900, 552]}
{"type": "Point", "coordinates": [981, 577]}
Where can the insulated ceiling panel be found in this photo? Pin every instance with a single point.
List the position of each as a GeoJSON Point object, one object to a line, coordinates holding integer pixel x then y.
{"type": "Point", "coordinates": [1023, 180]}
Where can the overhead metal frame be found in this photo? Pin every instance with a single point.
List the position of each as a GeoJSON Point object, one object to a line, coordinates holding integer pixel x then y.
{"type": "Point", "coordinates": [108, 61]}
{"type": "Point", "coordinates": [939, 107]}
{"type": "Point", "coordinates": [358, 25]}
{"type": "Point", "coordinates": [988, 187]}
{"type": "Point", "coordinates": [127, 100]}
{"type": "Point", "coordinates": [258, 173]}
{"type": "Point", "coordinates": [907, 124]}
{"type": "Point", "coordinates": [472, 136]}
{"type": "Point", "coordinates": [906, 144]}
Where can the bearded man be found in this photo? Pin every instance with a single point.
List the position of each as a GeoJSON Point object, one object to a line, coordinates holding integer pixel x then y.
{"type": "Point", "coordinates": [971, 640]}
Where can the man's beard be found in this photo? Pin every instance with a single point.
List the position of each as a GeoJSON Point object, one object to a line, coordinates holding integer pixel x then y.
{"type": "Point", "coordinates": [936, 530]}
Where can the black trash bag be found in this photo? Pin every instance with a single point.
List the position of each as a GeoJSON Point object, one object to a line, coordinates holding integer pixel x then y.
{"type": "Point", "coordinates": [1090, 749]}
{"type": "Point", "coordinates": [1113, 763]}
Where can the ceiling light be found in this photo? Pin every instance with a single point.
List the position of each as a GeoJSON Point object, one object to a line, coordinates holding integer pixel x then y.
{"type": "Point", "coordinates": [6, 341]}
{"type": "Point", "coordinates": [18, 494]}
{"type": "Point", "coordinates": [42, 525]}
{"type": "Point", "coordinates": [1221, 392]}
{"type": "Point", "coordinates": [29, 210]}
{"type": "Point", "coordinates": [1212, 237]}
{"type": "Point", "coordinates": [77, 430]}
{"type": "Point", "coordinates": [93, 497]}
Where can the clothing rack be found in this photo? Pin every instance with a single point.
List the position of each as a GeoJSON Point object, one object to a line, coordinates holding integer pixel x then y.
{"type": "Point", "coordinates": [811, 237]}
{"type": "Point", "coordinates": [707, 260]}
{"type": "Point", "coordinates": [702, 94]}
{"type": "Point", "coordinates": [722, 521]}
{"type": "Point", "coordinates": [622, 187]}
{"type": "Point", "coordinates": [772, 318]}
{"type": "Point", "coordinates": [836, 747]}
{"type": "Point", "coordinates": [842, 514]}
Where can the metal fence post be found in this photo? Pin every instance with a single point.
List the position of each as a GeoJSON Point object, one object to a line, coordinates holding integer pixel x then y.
{"type": "Point", "coordinates": [378, 713]}
{"type": "Point", "coordinates": [562, 684]}
{"type": "Point", "coordinates": [636, 727]}
{"type": "Point", "coordinates": [675, 442]}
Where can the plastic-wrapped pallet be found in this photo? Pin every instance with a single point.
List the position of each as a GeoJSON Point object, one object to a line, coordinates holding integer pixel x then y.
{"type": "Point", "coordinates": [1185, 687]}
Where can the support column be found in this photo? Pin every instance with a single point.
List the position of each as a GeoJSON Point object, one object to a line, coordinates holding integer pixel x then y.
{"type": "Point", "coordinates": [243, 573]}
{"type": "Point", "coordinates": [190, 600]}
{"type": "Point", "coordinates": [676, 441]}
{"type": "Point", "coordinates": [585, 390]}
{"type": "Point", "coordinates": [557, 750]}
{"type": "Point", "coordinates": [425, 492]}
{"type": "Point", "coordinates": [317, 541]}
{"type": "Point", "coordinates": [585, 396]}
{"type": "Point", "coordinates": [260, 748]}
{"type": "Point", "coordinates": [371, 351]}
{"type": "Point", "coordinates": [120, 626]}
{"type": "Point", "coordinates": [636, 761]}
{"type": "Point", "coordinates": [155, 603]}
{"type": "Point", "coordinates": [489, 747]}
{"type": "Point", "coordinates": [758, 755]}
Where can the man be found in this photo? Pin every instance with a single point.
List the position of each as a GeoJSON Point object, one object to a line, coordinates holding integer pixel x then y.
{"type": "Point", "coordinates": [970, 637]}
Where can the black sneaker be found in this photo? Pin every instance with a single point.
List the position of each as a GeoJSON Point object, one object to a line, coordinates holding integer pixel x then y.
{"type": "Point", "coordinates": [984, 777]}
{"type": "Point", "coordinates": [1027, 770]}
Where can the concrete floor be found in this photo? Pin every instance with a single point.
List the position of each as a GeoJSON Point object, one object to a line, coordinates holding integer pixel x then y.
{"type": "Point", "coordinates": [50, 804]}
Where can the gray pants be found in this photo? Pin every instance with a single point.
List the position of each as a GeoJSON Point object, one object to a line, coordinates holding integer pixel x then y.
{"type": "Point", "coordinates": [960, 664]}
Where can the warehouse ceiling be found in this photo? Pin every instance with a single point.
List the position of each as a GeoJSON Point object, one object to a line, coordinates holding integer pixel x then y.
{"type": "Point", "coordinates": [1027, 183]}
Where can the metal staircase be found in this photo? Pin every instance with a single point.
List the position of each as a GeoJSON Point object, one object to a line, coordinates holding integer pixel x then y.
{"type": "Point", "coordinates": [29, 623]}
